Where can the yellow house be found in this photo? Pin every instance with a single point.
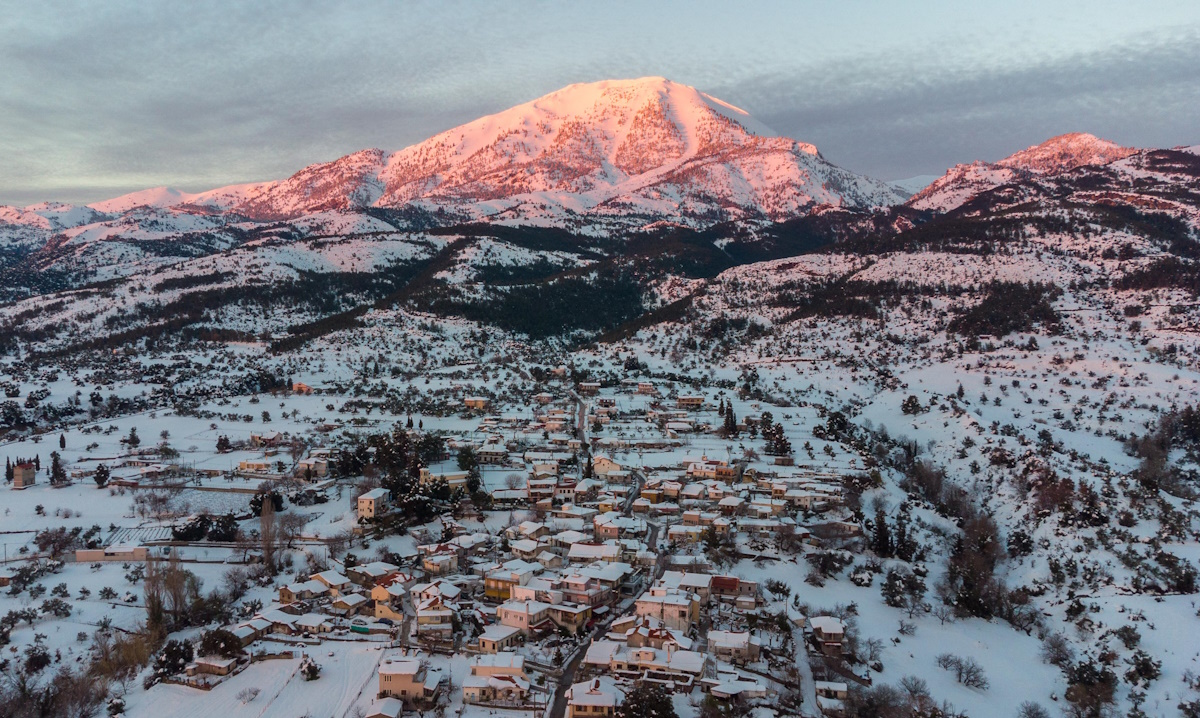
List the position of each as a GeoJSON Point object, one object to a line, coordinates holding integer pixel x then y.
{"type": "Point", "coordinates": [409, 680]}
{"type": "Point", "coordinates": [373, 503]}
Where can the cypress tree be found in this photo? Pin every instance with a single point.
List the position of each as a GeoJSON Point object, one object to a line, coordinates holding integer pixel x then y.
{"type": "Point", "coordinates": [882, 545]}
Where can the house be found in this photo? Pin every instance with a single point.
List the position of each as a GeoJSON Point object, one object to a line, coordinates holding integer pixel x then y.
{"type": "Point", "coordinates": [24, 476]}
{"type": "Point", "coordinates": [494, 454]}
{"type": "Point", "coordinates": [529, 530]}
{"type": "Point", "coordinates": [831, 697]}
{"type": "Point", "coordinates": [570, 617]}
{"type": "Point", "coordinates": [592, 699]}
{"type": "Point", "coordinates": [115, 552]}
{"type": "Point", "coordinates": [387, 708]}
{"type": "Point", "coordinates": [499, 582]}
{"type": "Point", "coordinates": [584, 589]}
{"type": "Point", "coordinates": [254, 466]}
{"type": "Point", "coordinates": [314, 467]}
{"type": "Point", "coordinates": [527, 616]}
{"type": "Point", "coordinates": [645, 387]}
{"type": "Point", "coordinates": [505, 663]}
{"type": "Point", "coordinates": [681, 667]}
{"type": "Point", "coordinates": [731, 685]}
{"type": "Point", "coordinates": [368, 574]}
{"type": "Point", "coordinates": [496, 638]}
{"type": "Point", "coordinates": [436, 589]}
{"type": "Point", "coordinates": [689, 402]}
{"type": "Point", "coordinates": [602, 465]}
{"type": "Point", "coordinates": [497, 678]}
{"type": "Point", "coordinates": [828, 632]}
{"type": "Point", "coordinates": [410, 681]}
{"type": "Point", "coordinates": [697, 583]}
{"type": "Point", "coordinates": [590, 552]}
{"type": "Point", "coordinates": [441, 563]}
{"type": "Point", "coordinates": [212, 666]}
{"type": "Point", "coordinates": [302, 590]}
{"type": "Point", "coordinates": [735, 590]}
{"type": "Point", "coordinates": [685, 534]}
{"type": "Point", "coordinates": [313, 623]}
{"type": "Point", "coordinates": [527, 549]}
{"type": "Point", "coordinates": [250, 631]}
{"type": "Point", "coordinates": [434, 617]}
{"type": "Point", "coordinates": [455, 479]}
{"type": "Point", "coordinates": [639, 631]}
{"type": "Point", "coordinates": [373, 503]}
{"type": "Point", "coordinates": [734, 646]}
{"type": "Point", "coordinates": [301, 388]}
{"type": "Point", "coordinates": [271, 438]}
{"type": "Point", "coordinates": [589, 387]}
{"type": "Point", "coordinates": [334, 581]}
{"type": "Point", "coordinates": [349, 604]}
{"type": "Point", "coordinates": [476, 402]}
{"type": "Point", "coordinates": [674, 607]}
{"type": "Point", "coordinates": [832, 689]}
{"type": "Point", "coordinates": [389, 599]}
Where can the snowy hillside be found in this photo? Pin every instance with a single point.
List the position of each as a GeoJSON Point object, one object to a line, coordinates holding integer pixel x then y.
{"type": "Point", "coordinates": [647, 146]}
{"type": "Point", "coordinates": [1054, 156]}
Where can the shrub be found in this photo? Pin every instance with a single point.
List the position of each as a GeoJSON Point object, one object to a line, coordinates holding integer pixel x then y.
{"type": "Point", "coordinates": [966, 671]}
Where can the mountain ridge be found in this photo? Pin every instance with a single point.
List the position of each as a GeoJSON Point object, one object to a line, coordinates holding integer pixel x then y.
{"type": "Point", "coordinates": [648, 147]}
{"type": "Point", "coordinates": [1061, 153]}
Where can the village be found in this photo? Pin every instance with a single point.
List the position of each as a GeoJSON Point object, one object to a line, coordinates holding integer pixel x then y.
{"type": "Point", "coordinates": [609, 539]}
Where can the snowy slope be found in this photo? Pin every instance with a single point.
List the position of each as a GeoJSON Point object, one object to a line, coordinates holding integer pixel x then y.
{"type": "Point", "coordinates": [1056, 155]}
{"type": "Point", "coordinates": [647, 145]}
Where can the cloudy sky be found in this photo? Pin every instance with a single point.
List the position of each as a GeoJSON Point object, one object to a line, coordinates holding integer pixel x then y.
{"type": "Point", "coordinates": [100, 98]}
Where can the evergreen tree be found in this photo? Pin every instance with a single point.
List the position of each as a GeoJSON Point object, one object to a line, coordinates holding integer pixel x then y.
{"type": "Point", "coordinates": [37, 462]}
{"type": "Point", "coordinates": [647, 700]}
{"type": "Point", "coordinates": [62, 441]}
{"type": "Point", "coordinates": [102, 475]}
{"type": "Point", "coordinates": [904, 545]}
{"type": "Point", "coordinates": [882, 543]}
{"type": "Point", "coordinates": [9, 472]}
{"type": "Point", "coordinates": [224, 445]}
{"type": "Point", "coordinates": [133, 439]}
{"type": "Point", "coordinates": [730, 426]}
{"type": "Point", "coordinates": [256, 501]}
{"type": "Point", "coordinates": [58, 476]}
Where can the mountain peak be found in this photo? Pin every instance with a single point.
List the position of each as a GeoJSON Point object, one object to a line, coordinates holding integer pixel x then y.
{"type": "Point", "coordinates": [641, 147]}
{"type": "Point", "coordinates": [1066, 152]}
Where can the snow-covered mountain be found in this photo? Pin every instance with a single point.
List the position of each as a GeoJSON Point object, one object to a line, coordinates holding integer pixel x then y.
{"type": "Point", "coordinates": [1056, 155]}
{"type": "Point", "coordinates": [648, 146]}
{"type": "Point", "coordinates": [643, 149]}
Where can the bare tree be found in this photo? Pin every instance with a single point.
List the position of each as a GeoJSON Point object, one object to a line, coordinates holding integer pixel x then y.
{"type": "Point", "coordinates": [966, 670]}
{"type": "Point", "coordinates": [1031, 709]}
{"type": "Point", "coordinates": [290, 526]}
{"type": "Point", "coordinates": [1056, 650]}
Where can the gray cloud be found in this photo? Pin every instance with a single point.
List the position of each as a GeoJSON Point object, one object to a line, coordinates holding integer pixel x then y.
{"type": "Point", "coordinates": [894, 121]}
{"type": "Point", "coordinates": [102, 98]}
